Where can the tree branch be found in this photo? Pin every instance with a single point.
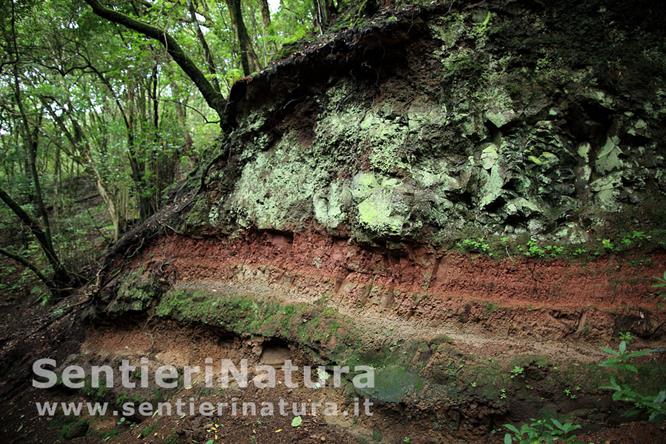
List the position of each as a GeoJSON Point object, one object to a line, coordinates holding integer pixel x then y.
{"type": "Point", "coordinates": [42, 277]}
{"type": "Point", "coordinates": [38, 233]}
{"type": "Point", "coordinates": [212, 97]}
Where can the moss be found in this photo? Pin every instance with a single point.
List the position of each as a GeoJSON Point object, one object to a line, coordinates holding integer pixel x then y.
{"type": "Point", "coordinates": [308, 325]}
{"type": "Point", "coordinates": [197, 217]}
{"type": "Point", "coordinates": [135, 292]}
{"type": "Point", "coordinates": [101, 393]}
{"type": "Point", "coordinates": [393, 383]}
{"type": "Point", "coordinates": [74, 429]}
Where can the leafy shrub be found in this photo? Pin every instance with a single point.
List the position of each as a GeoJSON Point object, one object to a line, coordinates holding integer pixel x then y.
{"type": "Point", "coordinates": [660, 283]}
{"type": "Point", "coordinates": [475, 245]}
{"type": "Point", "coordinates": [652, 405]}
{"type": "Point", "coordinates": [541, 431]}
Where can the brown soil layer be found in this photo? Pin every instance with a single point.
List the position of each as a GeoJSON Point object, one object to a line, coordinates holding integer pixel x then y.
{"type": "Point", "coordinates": [555, 298]}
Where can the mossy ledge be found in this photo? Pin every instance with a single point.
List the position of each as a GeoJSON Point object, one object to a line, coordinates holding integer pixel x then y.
{"type": "Point", "coordinates": [411, 373]}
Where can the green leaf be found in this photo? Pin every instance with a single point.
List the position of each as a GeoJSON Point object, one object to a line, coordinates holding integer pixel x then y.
{"type": "Point", "coordinates": [507, 439]}
{"type": "Point", "coordinates": [512, 428]}
{"type": "Point", "coordinates": [535, 160]}
{"type": "Point", "coordinates": [297, 421]}
{"type": "Point", "coordinates": [609, 351]}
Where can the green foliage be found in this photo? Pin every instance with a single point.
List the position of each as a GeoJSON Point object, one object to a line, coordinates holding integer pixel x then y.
{"type": "Point", "coordinates": [660, 284]}
{"type": "Point", "coordinates": [533, 249]}
{"type": "Point", "coordinates": [74, 429]}
{"type": "Point", "coordinates": [517, 371]}
{"type": "Point", "coordinates": [498, 246]}
{"type": "Point", "coordinates": [546, 431]}
{"type": "Point", "coordinates": [653, 405]}
{"type": "Point", "coordinates": [147, 431]}
{"type": "Point", "coordinates": [569, 393]}
{"type": "Point", "coordinates": [474, 245]}
{"type": "Point", "coordinates": [608, 245]}
{"type": "Point", "coordinates": [296, 421]}
{"type": "Point", "coordinates": [482, 27]}
{"type": "Point", "coordinates": [621, 360]}
{"type": "Point", "coordinates": [633, 238]}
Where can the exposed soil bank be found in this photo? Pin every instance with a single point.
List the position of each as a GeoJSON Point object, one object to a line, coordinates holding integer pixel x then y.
{"type": "Point", "coordinates": [555, 298]}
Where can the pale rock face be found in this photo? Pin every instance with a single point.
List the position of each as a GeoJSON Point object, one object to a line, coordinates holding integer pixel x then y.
{"type": "Point", "coordinates": [474, 133]}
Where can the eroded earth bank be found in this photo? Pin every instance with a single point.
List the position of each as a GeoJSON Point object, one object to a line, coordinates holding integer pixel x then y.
{"type": "Point", "coordinates": [467, 198]}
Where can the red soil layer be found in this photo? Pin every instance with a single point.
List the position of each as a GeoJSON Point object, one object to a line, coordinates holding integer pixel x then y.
{"type": "Point", "coordinates": [420, 283]}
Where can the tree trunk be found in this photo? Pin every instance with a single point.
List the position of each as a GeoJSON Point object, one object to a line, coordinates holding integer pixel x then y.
{"type": "Point", "coordinates": [265, 13]}
{"type": "Point", "coordinates": [323, 11]}
{"type": "Point", "coordinates": [208, 55]}
{"type": "Point", "coordinates": [236, 14]}
{"type": "Point", "coordinates": [213, 97]}
{"type": "Point", "coordinates": [53, 288]}
{"type": "Point", "coordinates": [61, 278]}
{"type": "Point", "coordinates": [32, 147]}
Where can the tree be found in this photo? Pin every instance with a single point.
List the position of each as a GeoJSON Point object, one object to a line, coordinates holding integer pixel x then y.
{"type": "Point", "coordinates": [213, 97]}
{"type": "Point", "coordinates": [265, 13]}
{"type": "Point", "coordinates": [61, 279]}
{"type": "Point", "coordinates": [236, 14]}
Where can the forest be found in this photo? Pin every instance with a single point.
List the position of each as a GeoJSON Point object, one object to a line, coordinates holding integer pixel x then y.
{"type": "Point", "coordinates": [447, 215]}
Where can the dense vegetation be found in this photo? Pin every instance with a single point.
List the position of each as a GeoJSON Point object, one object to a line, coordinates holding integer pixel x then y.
{"type": "Point", "coordinates": [467, 196]}
{"type": "Point", "coordinates": [86, 101]}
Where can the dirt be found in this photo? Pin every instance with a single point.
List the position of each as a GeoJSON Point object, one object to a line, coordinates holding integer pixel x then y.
{"type": "Point", "coordinates": [493, 309]}
{"type": "Point", "coordinates": [170, 343]}
{"type": "Point", "coordinates": [554, 299]}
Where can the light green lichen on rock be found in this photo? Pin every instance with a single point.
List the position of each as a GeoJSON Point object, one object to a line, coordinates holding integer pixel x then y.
{"type": "Point", "coordinates": [383, 204]}
{"type": "Point", "coordinates": [276, 190]}
{"type": "Point", "coordinates": [606, 190]}
{"type": "Point", "coordinates": [489, 156]}
{"type": "Point", "coordinates": [492, 188]}
{"type": "Point", "coordinates": [330, 204]}
{"type": "Point", "coordinates": [608, 158]}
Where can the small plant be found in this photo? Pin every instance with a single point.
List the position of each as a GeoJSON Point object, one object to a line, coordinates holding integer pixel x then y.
{"type": "Point", "coordinates": [517, 371]}
{"type": "Point", "coordinates": [634, 237]}
{"type": "Point", "coordinates": [608, 245]}
{"type": "Point", "coordinates": [554, 250]}
{"type": "Point", "coordinates": [475, 245]}
{"type": "Point", "coordinates": [660, 283]}
{"type": "Point", "coordinates": [503, 394]}
{"type": "Point", "coordinates": [146, 432]}
{"type": "Point", "coordinates": [626, 336]}
{"type": "Point", "coordinates": [482, 27]}
{"type": "Point", "coordinates": [541, 431]}
{"type": "Point", "coordinates": [620, 360]}
{"type": "Point", "coordinates": [569, 393]}
{"type": "Point", "coordinates": [580, 251]}
{"type": "Point", "coordinates": [532, 250]}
